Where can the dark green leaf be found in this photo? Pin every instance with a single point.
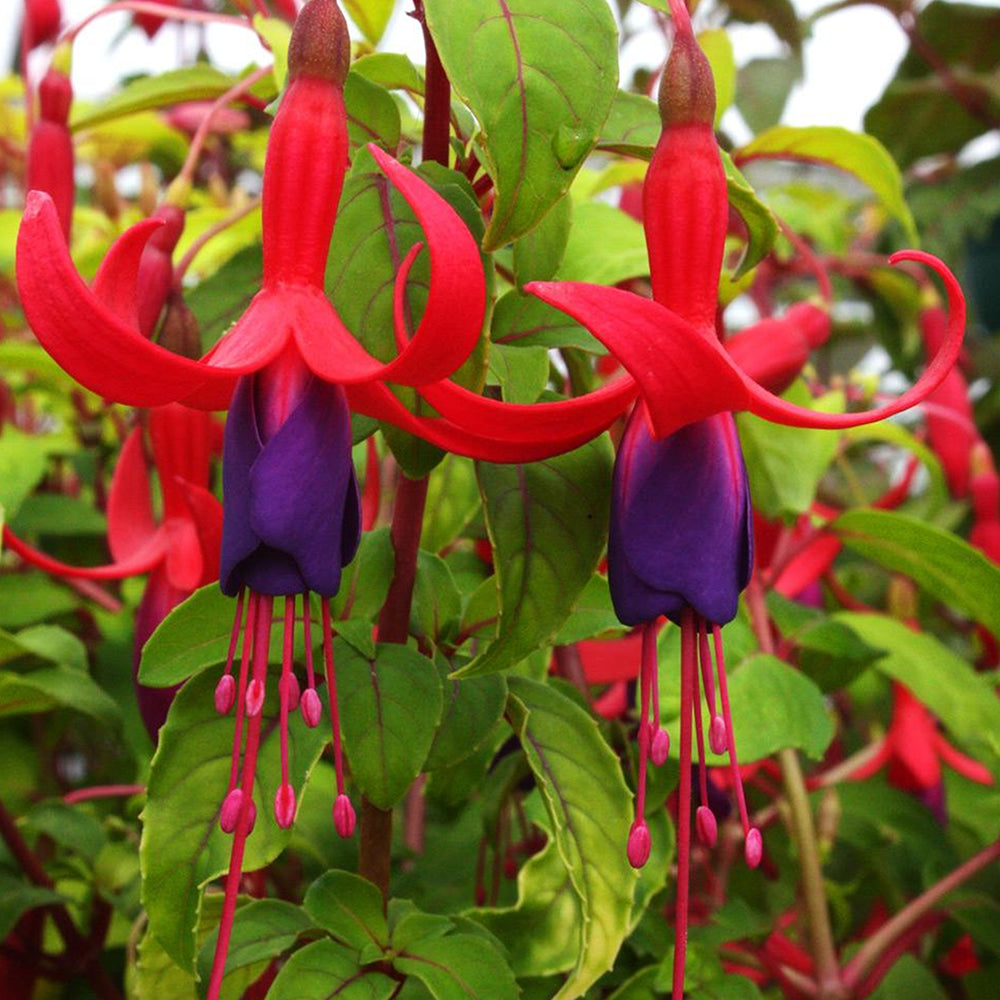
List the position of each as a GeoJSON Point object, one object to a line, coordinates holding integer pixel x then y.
{"type": "Point", "coordinates": [552, 75]}
{"type": "Point", "coordinates": [326, 970]}
{"type": "Point", "coordinates": [372, 115]}
{"type": "Point", "coordinates": [452, 502]}
{"type": "Point", "coordinates": [17, 897]}
{"type": "Point", "coordinates": [546, 522]}
{"type": "Point", "coordinates": [530, 322]}
{"type": "Point", "coordinates": [264, 929]}
{"type": "Point", "coordinates": [538, 254]}
{"type": "Point", "coordinates": [944, 565]}
{"type": "Point", "coordinates": [69, 827]}
{"type": "Point", "coordinates": [220, 300]}
{"type": "Point", "coordinates": [436, 604]}
{"type": "Point", "coordinates": [909, 978]}
{"type": "Point", "coordinates": [459, 967]}
{"type": "Point", "coordinates": [25, 599]}
{"type": "Point", "coordinates": [762, 89]}
{"type": "Point", "coordinates": [366, 580]}
{"type": "Point", "coordinates": [182, 846]}
{"type": "Point", "coordinates": [350, 908]}
{"type": "Point", "coordinates": [56, 687]}
{"type": "Point", "coordinates": [55, 514]}
{"type": "Point", "coordinates": [389, 711]}
{"type": "Point", "coordinates": [592, 614]}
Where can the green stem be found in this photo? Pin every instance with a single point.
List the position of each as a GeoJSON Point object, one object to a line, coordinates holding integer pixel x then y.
{"type": "Point", "coordinates": [824, 952]}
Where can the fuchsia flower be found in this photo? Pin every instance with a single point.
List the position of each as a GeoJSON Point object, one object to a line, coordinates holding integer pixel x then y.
{"type": "Point", "coordinates": [181, 552]}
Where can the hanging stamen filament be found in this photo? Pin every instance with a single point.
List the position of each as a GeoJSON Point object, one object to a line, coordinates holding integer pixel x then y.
{"type": "Point", "coordinates": [717, 725]}
{"type": "Point", "coordinates": [284, 798]}
{"type": "Point", "coordinates": [310, 705]}
{"type": "Point", "coordinates": [344, 817]}
{"type": "Point", "coordinates": [225, 690]}
{"type": "Point", "coordinates": [705, 822]}
{"type": "Point", "coordinates": [638, 837]}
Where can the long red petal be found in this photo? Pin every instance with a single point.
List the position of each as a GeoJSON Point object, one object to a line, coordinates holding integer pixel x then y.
{"type": "Point", "coordinates": [685, 375]}
{"type": "Point", "coordinates": [140, 562]}
{"type": "Point", "coordinates": [453, 316]}
{"type": "Point", "coordinates": [206, 513]}
{"type": "Point", "coordinates": [185, 565]}
{"type": "Point", "coordinates": [130, 509]}
{"type": "Point", "coordinates": [965, 766]}
{"type": "Point", "coordinates": [375, 400]}
{"type": "Point", "coordinates": [83, 335]}
{"type": "Point", "coordinates": [115, 282]}
{"type": "Point", "coordinates": [182, 446]}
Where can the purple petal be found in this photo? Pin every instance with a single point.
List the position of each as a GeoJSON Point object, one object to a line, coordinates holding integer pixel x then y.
{"type": "Point", "coordinates": [680, 529]}
{"type": "Point", "coordinates": [292, 511]}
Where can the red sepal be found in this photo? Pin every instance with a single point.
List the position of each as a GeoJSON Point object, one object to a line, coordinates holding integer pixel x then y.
{"type": "Point", "coordinates": [117, 278]}
{"type": "Point", "coordinates": [140, 562]}
{"type": "Point", "coordinates": [686, 375]}
{"type": "Point", "coordinates": [130, 509]}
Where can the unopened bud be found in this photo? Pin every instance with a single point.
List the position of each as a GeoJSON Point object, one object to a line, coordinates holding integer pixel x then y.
{"type": "Point", "coordinates": [180, 333]}
{"type": "Point", "coordinates": [753, 850]}
{"type": "Point", "coordinates": [706, 825]}
{"type": "Point", "coordinates": [284, 806]}
{"type": "Point", "coordinates": [225, 694]}
{"type": "Point", "coordinates": [717, 739]}
{"type": "Point", "coordinates": [661, 747]}
{"type": "Point", "coordinates": [344, 819]}
{"type": "Point", "coordinates": [229, 815]}
{"type": "Point", "coordinates": [687, 89]}
{"type": "Point", "coordinates": [311, 708]}
{"type": "Point", "coordinates": [639, 844]}
{"type": "Point", "coordinates": [255, 697]}
{"type": "Point", "coordinates": [320, 45]}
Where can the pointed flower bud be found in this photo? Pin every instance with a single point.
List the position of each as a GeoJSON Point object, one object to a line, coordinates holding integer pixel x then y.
{"type": "Point", "coordinates": [284, 806]}
{"type": "Point", "coordinates": [344, 818]}
{"type": "Point", "coordinates": [639, 844]}
{"type": "Point", "coordinates": [687, 89]}
{"type": "Point", "coordinates": [320, 46]}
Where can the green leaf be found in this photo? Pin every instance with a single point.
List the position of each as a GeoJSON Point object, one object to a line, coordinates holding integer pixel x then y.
{"type": "Point", "coordinates": [860, 155]}
{"type": "Point", "coordinates": [942, 564]}
{"type": "Point", "coordinates": [592, 614]}
{"type": "Point", "coordinates": [540, 77]}
{"type": "Point", "coordinates": [55, 644]}
{"type": "Point", "coordinates": [588, 804]}
{"type": "Point", "coordinates": [194, 635]}
{"type": "Point", "coordinates": [325, 970]}
{"type": "Point", "coordinates": [372, 114]}
{"type": "Point", "coordinates": [366, 580]}
{"type": "Point", "coordinates": [350, 908]}
{"type": "Point", "coordinates": [58, 515]}
{"type": "Point", "coordinates": [718, 49]}
{"type": "Point", "coordinates": [459, 967]}
{"type": "Point", "coordinates": [371, 16]}
{"type": "Point", "coordinates": [538, 254]}
{"type": "Point", "coordinates": [521, 372]}
{"type": "Point", "coordinates": [779, 15]}
{"type": "Point", "coordinates": [391, 70]}
{"type": "Point", "coordinates": [276, 34]}
{"type": "Point", "coordinates": [263, 930]}
{"type": "Point", "coordinates": [908, 978]}
{"type": "Point", "coordinates": [53, 687]}
{"type": "Point", "coordinates": [23, 460]}
{"type": "Point", "coordinates": [762, 89]}
{"type": "Point", "coordinates": [832, 655]}
{"type": "Point", "coordinates": [182, 846]}
{"type": "Point", "coordinates": [17, 897]}
{"type": "Point", "coordinates": [69, 827]}
{"type": "Point", "coordinates": [437, 605]}
{"type": "Point", "coordinates": [529, 322]}
{"type": "Point", "coordinates": [32, 598]}
{"type": "Point", "coordinates": [605, 246]}
{"type": "Point", "coordinates": [775, 707]}
{"type": "Point", "coordinates": [389, 711]}
{"type": "Point", "coordinates": [200, 82]}
{"type": "Point", "coordinates": [632, 127]}
{"type": "Point", "coordinates": [452, 502]}
{"type": "Point", "coordinates": [762, 229]}
{"type": "Point", "coordinates": [546, 521]}
{"type": "Point", "coordinates": [961, 698]}
{"type": "Point", "coordinates": [785, 464]}
{"type": "Point", "coordinates": [472, 707]}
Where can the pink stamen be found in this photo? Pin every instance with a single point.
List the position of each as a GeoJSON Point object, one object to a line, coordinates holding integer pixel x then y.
{"type": "Point", "coordinates": [688, 667]}
{"type": "Point", "coordinates": [660, 748]}
{"type": "Point", "coordinates": [310, 705]}
{"type": "Point", "coordinates": [225, 690]}
{"type": "Point", "coordinates": [338, 755]}
{"type": "Point", "coordinates": [261, 643]}
{"type": "Point", "coordinates": [717, 725]}
{"type": "Point", "coordinates": [284, 799]}
{"type": "Point", "coordinates": [234, 770]}
{"type": "Point", "coordinates": [637, 857]}
{"type": "Point", "coordinates": [753, 847]}
{"type": "Point", "coordinates": [706, 831]}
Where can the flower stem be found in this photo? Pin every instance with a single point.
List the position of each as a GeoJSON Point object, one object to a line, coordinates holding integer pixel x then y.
{"type": "Point", "coordinates": [884, 937]}
{"type": "Point", "coordinates": [824, 952]}
{"type": "Point", "coordinates": [85, 953]}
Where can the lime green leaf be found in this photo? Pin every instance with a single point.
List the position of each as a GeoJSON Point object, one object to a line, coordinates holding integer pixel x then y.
{"type": "Point", "coordinates": [371, 16]}
{"type": "Point", "coordinates": [459, 967]}
{"type": "Point", "coordinates": [390, 70]}
{"type": "Point", "coordinates": [961, 698]}
{"type": "Point", "coordinates": [860, 155]}
{"type": "Point", "coordinates": [605, 246]}
{"type": "Point", "coordinates": [23, 460]}
{"type": "Point", "coordinates": [325, 970]}
{"type": "Point", "coordinates": [350, 908]}
{"type": "Point", "coordinates": [276, 35]}
{"type": "Point", "coordinates": [264, 929]}
{"type": "Point", "coordinates": [389, 710]}
{"type": "Point", "coordinates": [632, 127]}
{"type": "Point", "coordinates": [553, 73]}
{"type": "Point", "coordinates": [546, 522]}
{"type": "Point", "coordinates": [785, 464]}
{"type": "Point", "coordinates": [718, 49]}
{"type": "Point", "coordinates": [762, 230]}
{"type": "Point", "coordinates": [521, 372]}
{"type": "Point", "coordinates": [775, 707]}
{"type": "Point", "coordinates": [589, 807]}
{"type": "Point", "coordinates": [192, 83]}
{"type": "Point", "coordinates": [592, 614]}
{"type": "Point", "coordinates": [182, 846]}
{"type": "Point", "coordinates": [942, 564]}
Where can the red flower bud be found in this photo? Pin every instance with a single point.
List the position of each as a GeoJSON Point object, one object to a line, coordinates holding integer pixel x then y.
{"type": "Point", "coordinates": [44, 17]}
{"type": "Point", "coordinates": [50, 151]}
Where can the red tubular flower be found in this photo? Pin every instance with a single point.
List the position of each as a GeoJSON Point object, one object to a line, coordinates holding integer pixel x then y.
{"type": "Point", "coordinates": [181, 552]}
{"type": "Point", "coordinates": [50, 150]}
{"type": "Point", "coordinates": [43, 19]}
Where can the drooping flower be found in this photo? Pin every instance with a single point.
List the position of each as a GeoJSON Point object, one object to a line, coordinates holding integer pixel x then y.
{"type": "Point", "coordinates": [50, 148]}
{"type": "Point", "coordinates": [180, 553]}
